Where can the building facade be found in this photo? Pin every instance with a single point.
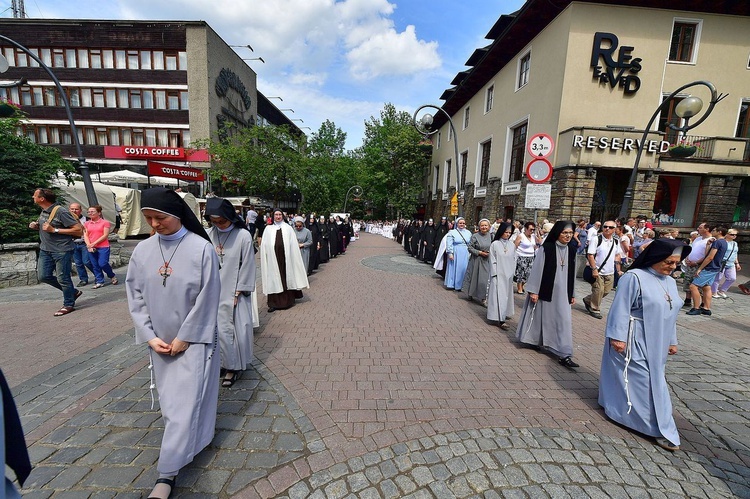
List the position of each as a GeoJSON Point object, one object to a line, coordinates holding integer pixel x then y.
{"type": "Point", "coordinates": [140, 92]}
{"type": "Point", "coordinates": [589, 76]}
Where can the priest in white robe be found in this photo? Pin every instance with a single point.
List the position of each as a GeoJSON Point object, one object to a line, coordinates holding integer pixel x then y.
{"type": "Point", "coordinates": [173, 289]}
{"type": "Point", "coordinates": [234, 246]}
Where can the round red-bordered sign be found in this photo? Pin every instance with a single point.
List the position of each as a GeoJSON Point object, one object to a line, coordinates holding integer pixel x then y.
{"type": "Point", "coordinates": [540, 145]}
{"type": "Point", "coordinates": [539, 170]}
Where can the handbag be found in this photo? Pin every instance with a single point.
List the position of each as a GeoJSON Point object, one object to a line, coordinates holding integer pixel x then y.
{"type": "Point", "coordinates": [588, 272]}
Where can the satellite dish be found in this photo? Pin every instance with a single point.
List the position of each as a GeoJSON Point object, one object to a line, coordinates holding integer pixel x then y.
{"type": "Point", "coordinates": [3, 64]}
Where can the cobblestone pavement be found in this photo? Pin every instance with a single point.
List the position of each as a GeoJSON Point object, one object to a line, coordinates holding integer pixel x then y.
{"type": "Point", "coordinates": [379, 383]}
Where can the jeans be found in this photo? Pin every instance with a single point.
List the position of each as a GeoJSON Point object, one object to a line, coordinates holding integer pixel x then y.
{"type": "Point", "coordinates": [81, 259]}
{"type": "Point", "coordinates": [54, 268]}
{"type": "Point", "coordinates": [100, 262]}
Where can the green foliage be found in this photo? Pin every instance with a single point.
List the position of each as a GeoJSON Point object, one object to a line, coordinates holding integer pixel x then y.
{"type": "Point", "coordinates": [24, 166]}
{"type": "Point", "coordinates": [265, 160]}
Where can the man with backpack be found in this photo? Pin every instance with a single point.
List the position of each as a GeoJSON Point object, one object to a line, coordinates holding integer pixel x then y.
{"type": "Point", "coordinates": [604, 255]}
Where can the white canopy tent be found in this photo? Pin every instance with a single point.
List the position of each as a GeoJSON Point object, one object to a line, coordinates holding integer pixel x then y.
{"type": "Point", "coordinates": [130, 177]}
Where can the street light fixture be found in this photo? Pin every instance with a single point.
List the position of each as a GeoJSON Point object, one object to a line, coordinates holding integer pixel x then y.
{"type": "Point", "coordinates": [297, 119]}
{"type": "Point", "coordinates": [685, 109]}
{"type": "Point", "coordinates": [82, 166]}
{"type": "Point", "coordinates": [357, 193]}
{"type": "Point", "coordinates": [424, 126]}
{"type": "Point", "coordinates": [255, 59]}
{"type": "Point", "coordinates": [243, 47]}
{"type": "Point", "coordinates": [287, 109]}
{"type": "Point", "coordinates": [275, 97]}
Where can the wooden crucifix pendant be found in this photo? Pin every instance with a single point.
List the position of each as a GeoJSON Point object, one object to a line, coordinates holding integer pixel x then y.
{"type": "Point", "coordinates": [165, 271]}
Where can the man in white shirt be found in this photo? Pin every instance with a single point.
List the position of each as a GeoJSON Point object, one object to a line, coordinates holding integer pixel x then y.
{"type": "Point", "coordinates": [250, 219]}
{"type": "Point", "coordinates": [593, 231]}
{"type": "Point", "coordinates": [604, 259]}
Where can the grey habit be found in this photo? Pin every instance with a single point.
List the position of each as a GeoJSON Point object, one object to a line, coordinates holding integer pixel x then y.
{"type": "Point", "coordinates": [304, 237]}
{"type": "Point", "coordinates": [641, 317]}
{"type": "Point", "coordinates": [548, 323]}
{"type": "Point", "coordinates": [502, 267]}
{"type": "Point", "coordinates": [478, 271]}
{"type": "Point", "coordinates": [184, 306]}
{"type": "Point", "coordinates": [237, 275]}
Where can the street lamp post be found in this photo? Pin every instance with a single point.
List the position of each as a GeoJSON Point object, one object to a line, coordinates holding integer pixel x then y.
{"type": "Point", "coordinates": [424, 126]}
{"type": "Point", "coordinates": [82, 166]}
{"type": "Point", "coordinates": [357, 192]}
{"type": "Point", "coordinates": [686, 109]}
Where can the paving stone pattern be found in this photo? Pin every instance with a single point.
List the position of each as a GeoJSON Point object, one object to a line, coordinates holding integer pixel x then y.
{"type": "Point", "coordinates": [380, 383]}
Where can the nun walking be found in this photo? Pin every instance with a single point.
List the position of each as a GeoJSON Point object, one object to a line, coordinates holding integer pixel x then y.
{"type": "Point", "coordinates": [456, 247]}
{"type": "Point", "coordinates": [234, 247]}
{"type": "Point", "coordinates": [502, 268]}
{"type": "Point", "coordinates": [173, 288]}
{"type": "Point", "coordinates": [546, 320]}
{"type": "Point", "coordinates": [282, 270]}
{"type": "Point", "coordinates": [641, 333]}
{"type": "Point", "coordinates": [478, 271]}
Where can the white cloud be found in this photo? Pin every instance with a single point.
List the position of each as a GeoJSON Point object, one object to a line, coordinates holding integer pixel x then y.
{"type": "Point", "coordinates": [392, 53]}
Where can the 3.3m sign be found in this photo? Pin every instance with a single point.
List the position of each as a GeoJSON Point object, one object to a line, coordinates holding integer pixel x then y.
{"type": "Point", "coordinates": [620, 70]}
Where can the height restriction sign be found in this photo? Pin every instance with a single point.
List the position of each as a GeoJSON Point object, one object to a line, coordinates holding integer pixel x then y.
{"type": "Point", "coordinates": [540, 145]}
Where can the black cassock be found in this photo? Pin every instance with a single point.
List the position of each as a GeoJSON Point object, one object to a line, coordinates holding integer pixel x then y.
{"type": "Point", "coordinates": [428, 243]}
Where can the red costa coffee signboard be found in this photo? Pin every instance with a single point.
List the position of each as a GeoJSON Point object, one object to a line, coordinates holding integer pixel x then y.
{"type": "Point", "coordinates": [149, 152]}
{"type": "Point", "coordinates": [172, 171]}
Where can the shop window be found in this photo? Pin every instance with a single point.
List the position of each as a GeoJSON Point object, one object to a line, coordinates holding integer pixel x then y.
{"type": "Point", "coordinates": [517, 151]}
{"type": "Point", "coordinates": [484, 169]}
{"type": "Point", "coordinates": [741, 218]}
{"type": "Point", "coordinates": [524, 66]}
{"type": "Point", "coordinates": [684, 42]}
{"type": "Point", "coordinates": [675, 200]}
{"type": "Point", "coordinates": [489, 96]}
{"type": "Point", "coordinates": [464, 167]}
{"type": "Point", "coordinates": [466, 117]}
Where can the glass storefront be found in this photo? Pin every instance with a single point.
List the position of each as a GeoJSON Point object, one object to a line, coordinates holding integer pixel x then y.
{"type": "Point", "coordinates": [676, 200]}
{"type": "Point", "coordinates": [741, 218]}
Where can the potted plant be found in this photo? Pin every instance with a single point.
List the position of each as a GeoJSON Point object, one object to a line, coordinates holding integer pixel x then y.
{"type": "Point", "coordinates": [425, 145]}
{"type": "Point", "coordinates": [682, 149]}
{"type": "Point", "coordinates": [8, 108]}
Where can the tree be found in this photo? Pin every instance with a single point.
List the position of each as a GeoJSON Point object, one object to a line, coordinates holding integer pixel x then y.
{"type": "Point", "coordinates": [394, 162]}
{"type": "Point", "coordinates": [267, 160]}
{"type": "Point", "coordinates": [24, 167]}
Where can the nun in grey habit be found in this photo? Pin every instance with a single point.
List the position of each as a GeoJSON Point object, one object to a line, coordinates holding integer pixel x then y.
{"type": "Point", "coordinates": [546, 320]}
{"type": "Point", "coordinates": [234, 247]}
{"type": "Point", "coordinates": [502, 267]}
{"type": "Point", "coordinates": [641, 333]}
{"type": "Point", "coordinates": [173, 289]}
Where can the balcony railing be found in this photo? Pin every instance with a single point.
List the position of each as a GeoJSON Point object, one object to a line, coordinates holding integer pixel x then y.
{"type": "Point", "coordinates": [716, 148]}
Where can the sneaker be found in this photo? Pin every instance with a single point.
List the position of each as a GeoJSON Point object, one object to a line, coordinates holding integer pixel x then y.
{"type": "Point", "coordinates": [688, 303]}
{"type": "Point", "coordinates": [723, 295]}
{"type": "Point", "coordinates": [596, 314]}
{"type": "Point", "coordinates": [705, 311]}
{"type": "Point", "coordinates": [716, 296]}
{"type": "Point", "coordinates": [587, 304]}
{"type": "Point", "coordinates": [694, 311]}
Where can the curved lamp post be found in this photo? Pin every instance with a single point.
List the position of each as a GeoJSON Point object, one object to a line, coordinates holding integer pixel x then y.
{"type": "Point", "coordinates": [82, 166]}
{"type": "Point", "coordinates": [357, 193]}
{"type": "Point", "coordinates": [686, 109]}
{"type": "Point", "coordinates": [424, 126]}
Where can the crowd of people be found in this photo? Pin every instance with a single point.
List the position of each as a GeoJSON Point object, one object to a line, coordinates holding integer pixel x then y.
{"type": "Point", "coordinates": [494, 261]}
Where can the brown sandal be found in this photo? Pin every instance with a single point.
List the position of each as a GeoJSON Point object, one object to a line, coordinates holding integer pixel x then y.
{"type": "Point", "coordinates": [64, 311]}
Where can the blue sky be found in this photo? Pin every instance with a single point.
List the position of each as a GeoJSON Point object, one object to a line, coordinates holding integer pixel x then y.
{"type": "Point", "coordinates": [336, 60]}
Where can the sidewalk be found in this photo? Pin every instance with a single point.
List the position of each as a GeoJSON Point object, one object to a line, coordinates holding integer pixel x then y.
{"type": "Point", "coordinates": [379, 383]}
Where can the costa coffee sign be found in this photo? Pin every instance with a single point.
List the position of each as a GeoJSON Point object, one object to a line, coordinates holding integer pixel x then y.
{"type": "Point", "coordinates": [172, 171]}
{"type": "Point", "coordinates": [148, 152]}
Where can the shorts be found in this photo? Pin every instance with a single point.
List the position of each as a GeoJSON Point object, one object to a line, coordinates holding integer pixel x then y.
{"type": "Point", "coordinates": [705, 278]}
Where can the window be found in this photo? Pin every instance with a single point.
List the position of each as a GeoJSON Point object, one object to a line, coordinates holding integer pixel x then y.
{"type": "Point", "coordinates": [437, 177]}
{"type": "Point", "coordinates": [120, 59]}
{"type": "Point", "coordinates": [173, 100]}
{"type": "Point", "coordinates": [25, 96]}
{"type": "Point", "coordinates": [175, 138]}
{"type": "Point", "coordinates": [488, 99]}
{"type": "Point", "coordinates": [675, 200]}
{"type": "Point", "coordinates": [743, 121]}
{"type": "Point", "coordinates": [524, 65]}
{"type": "Point", "coordinates": [184, 99]}
{"type": "Point", "coordinates": [83, 58]}
{"type": "Point", "coordinates": [96, 59]}
{"type": "Point", "coordinates": [171, 61]}
{"type": "Point", "coordinates": [101, 136]}
{"type": "Point", "coordinates": [23, 59]}
{"type": "Point", "coordinates": [439, 139]}
{"type": "Point", "coordinates": [32, 61]}
{"type": "Point", "coordinates": [182, 56]}
{"type": "Point", "coordinates": [74, 97]}
{"type": "Point", "coordinates": [108, 59]}
{"type": "Point", "coordinates": [70, 58]}
{"type": "Point", "coordinates": [517, 150]}
{"type": "Point", "coordinates": [146, 59]}
{"type": "Point", "coordinates": [150, 137]}
{"type": "Point", "coordinates": [49, 97]}
{"type": "Point", "coordinates": [148, 99]}
{"type": "Point", "coordinates": [38, 96]}
{"type": "Point", "coordinates": [161, 99]}
{"type": "Point", "coordinates": [133, 59]}
{"type": "Point", "coordinates": [98, 97]}
{"type": "Point", "coordinates": [684, 43]}
{"type": "Point", "coordinates": [464, 165]}
{"type": "Point", "coordinates": [450, 133]}
{"type": "Point", "coordinates": [111, 97]}
{"type": "Point", "coordinates": [162, 137]}
{"type": "Point", "coordinates": [114, 137]}
{"type": "Point", "coordinates": [484, 165]}
{"type": "Point", "coordinates": [447, 184]}
{"type": "Point", "coordinates": [135, 99]}
{"type": "Point", "coordinates": [669, 116]}
{"type": "Point", "coordinates": [58, 58]}
{"type": "Point", "coordinates": [46, 59]}
{"type": "Point", "coordinates": [466, 117]}
{"type": "Point", "coordinates": [10, 55]}
{"type": "Point", "coordinates": [86, 97]}
{"type": "Point", "coordinates": [158, 59]}
{"type": "Point", "coordinates": [123, 97]}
